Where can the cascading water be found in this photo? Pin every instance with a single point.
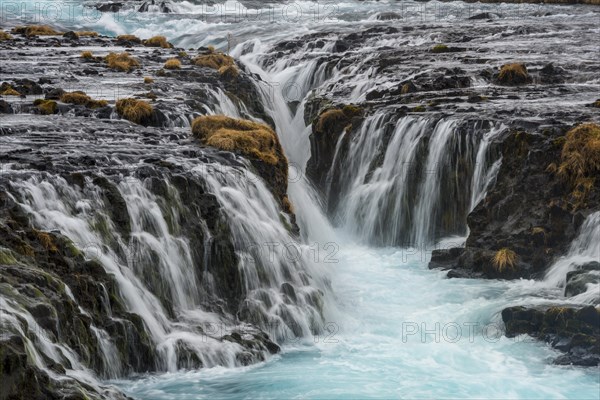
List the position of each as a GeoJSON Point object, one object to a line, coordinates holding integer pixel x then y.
{"type": "Point", "coordinates": [387, 186]}
{"type": "Point", "coordinates": [584, 249]}
{"type": "Point", "coordinates": [394, 181]}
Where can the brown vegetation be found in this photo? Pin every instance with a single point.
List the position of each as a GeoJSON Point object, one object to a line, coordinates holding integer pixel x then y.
{"type": "Point", "coordinates": [5, 36]}
{"type": "Point", "coordinates": [36, 30]}
{"type": "Point", "coordinates": [134, 110]}
{"type": "Point", "coordinates": [9, 91]}
{"type": "Point", "coordinates": [214, 60]}
{"type": "Point", "coordinates": [87, 34]}
{"type": "Point", "coordinates": [80, 98]}
{"type": "Point", "coordinates": [513, 74]}
{"type": "Point", "coordinates": [243, 136]}
{"type": "Point", "coordinates": [504, 259]}
{"type": "Point", "coordinates": [172, 63]}
{"type": "Point", "coordinates": [157, 41]}
{"type": "Point", "coordinates": [332, 118]}
{"type": "Point", "coordinates": [46, 107]}
{"type": "Point", "coordinates": [129, 38]}
{"type": "Point", "coordinates": [121, 62]}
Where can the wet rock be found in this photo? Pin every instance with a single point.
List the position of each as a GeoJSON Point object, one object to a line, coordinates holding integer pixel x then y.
{"type": "Point", "coordinates": [5, 107]}
{"type": "Point", "coordinates": [584, 275]}
{"type": "Point", "coordinates": [485, 15]}
{"type": "Point", "coordinates": [550, 74]}
{"type": "Point", "coordinates": [151, 5]}
{"type": "Point", "coordinates": [326, 130]}
{"type": "Point", "coordinates": [71, 35]}
{"type": "Point", "coordinates": [387, 16]}
{"type": "Point", "coordinates": [341, 46]}
{"type": "Point", "coordinates": [574, 331]}
{"type": "Point", "coordinates": [54, 94]}
{"type": "Point", "coordinates": [109, 7]}
{"type": "Point", "coordinates": [513, 75]}
{"type": "Point", "coordinates": [538, 225]}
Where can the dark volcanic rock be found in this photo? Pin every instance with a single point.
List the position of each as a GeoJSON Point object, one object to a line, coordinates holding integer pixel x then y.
{"type": "Point", "coordinates": [576, 332]}
{"type": "Point", "coordinates": [538, 225]}
{"type": "Point", "coordinates": [578, 280]}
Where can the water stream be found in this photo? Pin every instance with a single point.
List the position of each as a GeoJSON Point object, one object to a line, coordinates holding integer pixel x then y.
{"type": "Point", "coordinates": [370, 320]}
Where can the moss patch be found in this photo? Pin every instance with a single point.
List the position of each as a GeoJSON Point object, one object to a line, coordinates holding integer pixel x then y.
{"type": "Point", "coordinates": [121, 62]}
{"type": "Point", "coordinates": [157, 41]}
{"type": "Point", "coordinates": [242, 136]}
{"type": "Point", "coordinates": [87, 34]}
{"type": "Point", "coordinates": [9, 91]}
{"type": "Point", "coordinates": [229, 72]}
{"type": "Point", "coordinates": [504, 259]}
{"type": "Point", "coordinates": [82, 99]}
{"type": "Point", "coordinates": [6, 257]}
{"type": "Point", "coordinates": [134, 110]}
{"type": "Point", "coordinates": [440, 48]}
{"type": "Point", "coordinates": [5, 36]}
{"type": "Point", "coordinates": [128, 38]}
{"type": "Point", "coordinates": [87, 55]}
{"type": "Point", "coordinates": [36, 30]}
{"type": "Point", "coordinates": [331, 119]}
{"type": "Point", "coordinates": [47, 107]}
{"type": "Point", "coordinates": [172, 63]}
{"type": "Point", "coordinates": [214, 60]}
{"type": "Point", "coordinates": [580, 161]}
{"type": "Point", "coordinates": [513, 74]}
{"type": "Point", "coordinates": [148, 80]}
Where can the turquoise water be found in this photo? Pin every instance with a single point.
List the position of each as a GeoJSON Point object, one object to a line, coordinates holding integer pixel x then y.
{"type": "Point", "coordinates": [378, 347]}
{"type": "Point", "coordinates": [399, 330]}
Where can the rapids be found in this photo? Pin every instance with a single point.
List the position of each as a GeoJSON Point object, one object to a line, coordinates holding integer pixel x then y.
{"type": "Point", "coordinates": [370, 319]}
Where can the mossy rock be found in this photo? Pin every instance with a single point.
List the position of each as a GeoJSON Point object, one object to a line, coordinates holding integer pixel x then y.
{"type": "Point", "coordinates": [46, 107]}
{"type": "Point", "coordinates": [513, 74]}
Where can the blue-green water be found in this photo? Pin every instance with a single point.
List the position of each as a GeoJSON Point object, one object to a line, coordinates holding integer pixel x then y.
{"type": "Point", "coordinates": [378, 347]}
{"type": "Point", "coordinates": [400, 330]}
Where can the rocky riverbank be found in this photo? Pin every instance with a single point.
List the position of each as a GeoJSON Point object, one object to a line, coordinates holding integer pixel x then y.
{"type": "Point", "coordinates": [528, 130]}
{"type": "Point", "coordinates": [90, 116]}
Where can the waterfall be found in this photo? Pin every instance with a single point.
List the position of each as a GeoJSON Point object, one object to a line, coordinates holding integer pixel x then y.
{"type": "Point", "coordinates": [485, 174]}
{"type": "Point", "coordinates": [411, 181]}
{"type": "Point", "coordinates": [160, 279]}
{"type": "Point", "coordinates": [584, 249]}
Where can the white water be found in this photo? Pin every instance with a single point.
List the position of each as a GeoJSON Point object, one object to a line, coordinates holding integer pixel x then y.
{"type": "Point", "coordinates": [157, 275]}
{"type": "Point", "coordinates": [584, 249]}
{"type": "Point", "coordinates": [380, 348]}
{"type": "Point", "coordinates": [371, 349]}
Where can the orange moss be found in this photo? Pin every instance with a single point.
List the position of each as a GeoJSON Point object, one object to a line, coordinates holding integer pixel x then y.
{"type": "Point", "coordinates": [157, 41]}
{"type": "Point", "coordinates": [332, 118]}
{"type": "Point", "coordinates": [129, 38]}
{"type": "Point", "coordinates": [229, 72]}
{"type": "Point", "coordinates": [47, 107]}
{"type": "Point", "coordinates": [243, 136]}
{"type": "Point", "coordinates": [512, 74]}
{"type": "Point", "coordinates": [46, 240]}
{"type": "Point", "coordinates": [36, 30]}
{"type": "Point", "coordinates": [504, 259]}
{"type": "Point", "coordinates": [80, 98]}
{"type": "Point", "coordinates": [172, 63]}
{"type": "Point", "coordinates": [87, 34]}
{"type": "Point", "coordinates": [580, 156]}
{"type": "Point", "coordinates": [87, 55]}
{"type": "Point", "coordinates": [5, 36]}
{"type": "Point", "coordinates": [134, 110]}
{"type": "Point", "coordinates": [121, 62]}
{"type": "Point", "coordinates": [9, 91]}
{"type": "Point", "coordinates": [214, 60]}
